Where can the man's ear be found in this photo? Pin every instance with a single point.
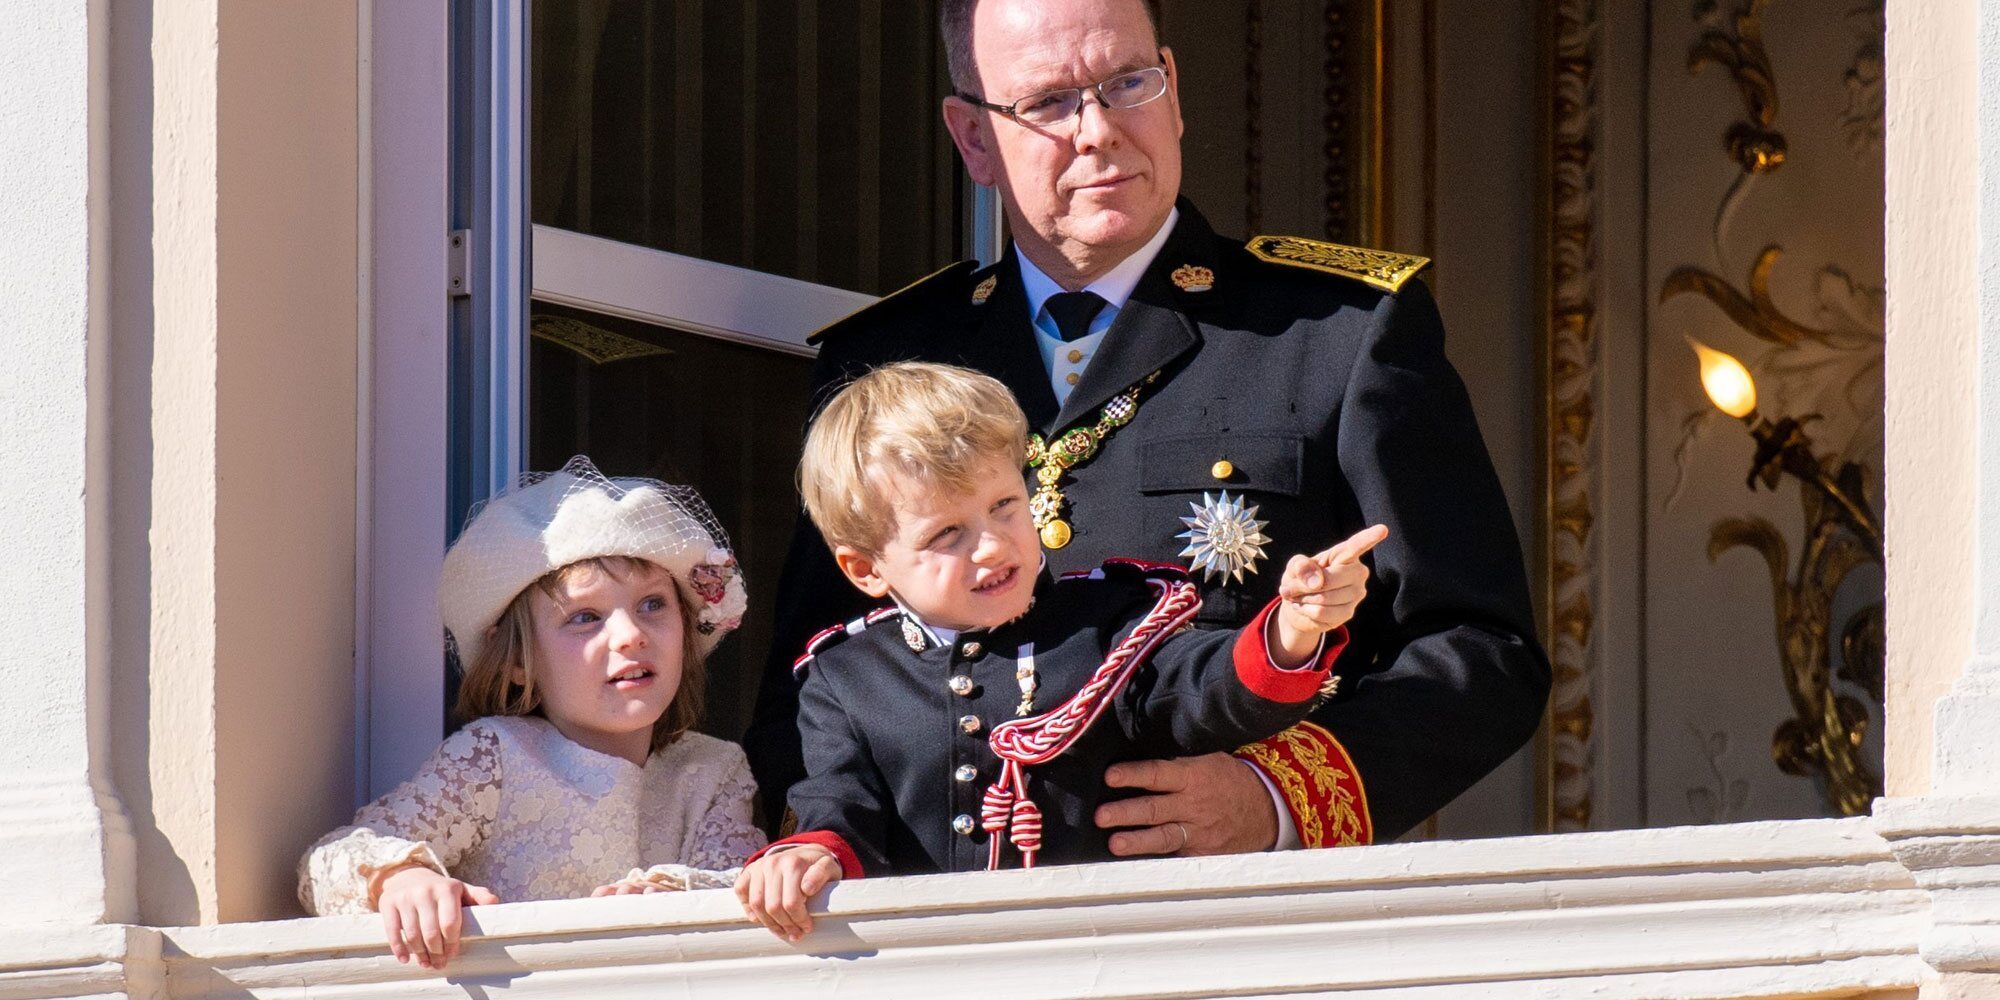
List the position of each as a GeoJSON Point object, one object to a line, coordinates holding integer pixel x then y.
{"type": "Point", "coordinates": [967, 125]}
{"type": "Point", "coordinates": [1173, 88]}
{"type": "Point", "coordinates": [860, 569]}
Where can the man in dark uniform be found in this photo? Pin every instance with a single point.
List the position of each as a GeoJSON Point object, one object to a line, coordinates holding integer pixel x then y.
{"type": "Point", "coordinates": [1207, 401]}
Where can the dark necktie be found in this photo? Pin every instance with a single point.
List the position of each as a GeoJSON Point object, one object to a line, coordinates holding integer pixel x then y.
{"type": "Point", "coordinates": [1073, 312]}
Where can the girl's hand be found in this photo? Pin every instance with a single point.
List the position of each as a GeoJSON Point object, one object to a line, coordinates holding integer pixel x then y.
{"type": "Point", "coordinates": [1321, 592]}
{"type": "Point", "coordinates": [421, 913]}
{"type": "Point", "coordinates": [631, 886]}
{"type": "Point", "coordinates": [775, 888]}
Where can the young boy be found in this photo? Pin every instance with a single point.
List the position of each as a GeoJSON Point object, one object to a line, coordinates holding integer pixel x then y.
{"type": "Point", "coordinates": [978, 712]}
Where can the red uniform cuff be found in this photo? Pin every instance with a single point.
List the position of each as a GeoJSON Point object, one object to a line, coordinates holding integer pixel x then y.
{"type": "Point", "coordinates": [1265, 678]}
{"type": "Point", "coordinates": [1320, 784]}
{"type": "Point", "coordinates": [850, 865]}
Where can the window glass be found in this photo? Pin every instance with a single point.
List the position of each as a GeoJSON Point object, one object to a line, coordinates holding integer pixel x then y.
{"type": "Point", "coordinates": [787, 136]}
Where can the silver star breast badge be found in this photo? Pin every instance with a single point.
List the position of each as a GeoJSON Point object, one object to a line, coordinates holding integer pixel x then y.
{"type": "Point", "coordinates": [1224, 537]}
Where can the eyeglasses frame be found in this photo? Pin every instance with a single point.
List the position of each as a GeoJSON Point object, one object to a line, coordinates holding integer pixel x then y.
{"type": "Point", "coordinates": [1012, 110]}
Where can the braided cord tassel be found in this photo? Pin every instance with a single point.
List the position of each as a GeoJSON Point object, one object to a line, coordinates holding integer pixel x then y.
{"type": "Point", "coordinates": [995, 808]}
{"type": "Point", "coordinates": [1021, 742]}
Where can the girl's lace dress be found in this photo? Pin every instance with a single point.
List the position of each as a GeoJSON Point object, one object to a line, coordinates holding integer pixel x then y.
{"type": "Point", "coordinates": [511, 804]}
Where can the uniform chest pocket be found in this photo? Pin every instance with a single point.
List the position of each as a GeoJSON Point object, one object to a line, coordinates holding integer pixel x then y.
{"type": "Point", "coordinates": [1262, 461]}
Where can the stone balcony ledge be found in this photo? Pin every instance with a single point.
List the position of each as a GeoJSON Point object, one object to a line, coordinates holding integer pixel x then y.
{"type": "Point", "coordinates": [1818, 907]}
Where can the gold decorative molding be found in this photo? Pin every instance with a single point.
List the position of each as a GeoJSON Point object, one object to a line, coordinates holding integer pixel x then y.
{"type": "Point", "coordinates": [1736, 43]}
{"type": "Point", "coordinates": [1570, 571]}
{"type": "Point", "coordinates": [601, 346]}
{"type": "Point", "coordinates": [1336, 170]}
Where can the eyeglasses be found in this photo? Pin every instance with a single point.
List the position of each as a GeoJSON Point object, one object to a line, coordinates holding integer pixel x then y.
{"type": "Point", "coordinates": [1121, 92]}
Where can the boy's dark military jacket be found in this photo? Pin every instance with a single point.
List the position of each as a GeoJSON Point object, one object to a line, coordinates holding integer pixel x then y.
{"type": "Point", "coordinates": [1333, 403]}
{"type": "Point", "coordinates": [896, 755]}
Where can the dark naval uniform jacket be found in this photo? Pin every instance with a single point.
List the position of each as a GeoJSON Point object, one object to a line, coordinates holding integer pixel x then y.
{"type": "Point", "coordinates": [1317, 373]}
{"type": "Point", "coordinates": [896, 736]}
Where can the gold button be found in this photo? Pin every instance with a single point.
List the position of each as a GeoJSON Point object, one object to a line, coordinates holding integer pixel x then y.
{"type": "Point", "coordinates": [968, 724]}
{"type": "Point", "coordinates": [1223, 469]}
{"type": "Point", "coordinates": [1071, 378]}
{"type": "Point", "coordinates": [961, 686]}
{"type": "Point", "coordinates": [1075, 355]}
{"type": "Point", "coordinates": [969, 650]}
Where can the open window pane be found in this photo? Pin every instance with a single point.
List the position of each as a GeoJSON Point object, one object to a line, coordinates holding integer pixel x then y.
{"type": "Point", "coordinates": [785, 136]}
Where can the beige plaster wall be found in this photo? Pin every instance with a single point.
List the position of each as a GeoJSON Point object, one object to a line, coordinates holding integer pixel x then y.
{"type": "Point", "coordinates": [255, 206]}
{"type": "Point", "coordinates": [1932, 419]}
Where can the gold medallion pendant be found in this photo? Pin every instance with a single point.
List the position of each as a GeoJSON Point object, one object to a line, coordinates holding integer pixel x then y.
{"type": "Point", "coordinates": [1056, 534]}
{"type": "Point", "coordinates": [1050, 459]}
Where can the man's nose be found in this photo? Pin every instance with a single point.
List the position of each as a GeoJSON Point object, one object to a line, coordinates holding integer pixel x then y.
{"type": "Point", "coordinates": [1094, 127]}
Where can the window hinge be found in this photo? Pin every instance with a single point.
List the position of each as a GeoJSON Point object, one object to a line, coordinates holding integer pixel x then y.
{"type": "Point", "coordinates": [460, 278]}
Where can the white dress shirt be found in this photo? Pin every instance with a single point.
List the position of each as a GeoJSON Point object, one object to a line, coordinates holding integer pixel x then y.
{"type": "Point", "coordinates": [1066, 360]}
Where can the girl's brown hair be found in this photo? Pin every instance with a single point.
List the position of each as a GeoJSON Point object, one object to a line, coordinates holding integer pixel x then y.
{"type": "Point", "coordinates": [488, 687]}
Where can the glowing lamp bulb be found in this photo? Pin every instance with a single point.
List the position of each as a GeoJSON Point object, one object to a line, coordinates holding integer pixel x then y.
{"type": "Point", "coordinates": [1726, 381]}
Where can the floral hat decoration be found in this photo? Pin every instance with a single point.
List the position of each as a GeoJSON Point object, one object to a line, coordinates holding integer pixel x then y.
{"type": "Point", "coordinates": [551, 519]}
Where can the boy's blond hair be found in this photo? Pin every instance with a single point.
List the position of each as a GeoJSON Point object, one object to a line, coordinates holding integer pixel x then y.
{"type": "Point", "coordinates": [930, 423]}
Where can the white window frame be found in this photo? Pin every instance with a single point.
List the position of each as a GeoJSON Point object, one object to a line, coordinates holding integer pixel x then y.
{"type": "Point", "coordinates": [403, 373]}
{"type": "Point", "coordinates": [668, 289]}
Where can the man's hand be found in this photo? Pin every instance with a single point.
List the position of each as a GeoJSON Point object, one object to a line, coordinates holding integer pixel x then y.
{"type": "Point", "coordinates": [775, 888]}
{"type": "Point", "coordinates": [421, 914]}
{"type": "Point", "coordinates": [1208, 805]}
{"type": "Point", "coordinates": [1320, 594]}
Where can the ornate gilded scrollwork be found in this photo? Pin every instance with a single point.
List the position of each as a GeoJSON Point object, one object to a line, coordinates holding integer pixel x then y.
{"type": "Point", "coordinates": [1756, 314]}
{"type": "Point", "coordinates": [1825, 733]}
{"type": "Point", "coordinates": [1572, 567]}
{"type": "Point", "coordinates": [1736, 43]}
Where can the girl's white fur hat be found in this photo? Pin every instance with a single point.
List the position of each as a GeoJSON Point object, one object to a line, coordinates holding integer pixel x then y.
{"type": "Point", "coordinates": [552, 519]}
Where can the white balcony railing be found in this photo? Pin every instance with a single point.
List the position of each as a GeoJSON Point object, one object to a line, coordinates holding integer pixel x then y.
{"type": "Point", "coordinates": [1762, 909]}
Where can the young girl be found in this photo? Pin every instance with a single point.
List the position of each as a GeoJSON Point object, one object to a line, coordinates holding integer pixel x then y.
{"type": "Point", "coordinates": [581, 609]}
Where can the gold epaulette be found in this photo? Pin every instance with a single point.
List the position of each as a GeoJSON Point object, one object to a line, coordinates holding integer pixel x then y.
{"type": "Point", "coordinates": [963, 266]}
{"type": "Point", "coordinates": [1380, 268]}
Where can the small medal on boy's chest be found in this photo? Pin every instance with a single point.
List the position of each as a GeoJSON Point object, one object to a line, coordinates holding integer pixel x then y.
{"type": "Point", "coordinates": [913, 635]}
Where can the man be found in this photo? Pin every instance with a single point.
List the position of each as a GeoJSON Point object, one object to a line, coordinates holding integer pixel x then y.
{"type": "Point", "coordinates": [1204, 401]}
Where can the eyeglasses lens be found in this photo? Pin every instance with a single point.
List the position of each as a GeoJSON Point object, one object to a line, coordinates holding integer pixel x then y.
{"type": "Point", "coordinates": [1128, 90]}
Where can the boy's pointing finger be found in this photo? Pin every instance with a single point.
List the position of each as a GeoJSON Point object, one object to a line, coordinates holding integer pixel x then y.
{"type": "Point", "coordinates": [1356, 545]}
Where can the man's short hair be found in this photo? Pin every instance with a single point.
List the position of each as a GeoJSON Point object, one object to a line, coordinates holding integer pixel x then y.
{"type": "Point", "coordinates": [955, 20]}
{"type": "Point", "coordinates": [932, 424]}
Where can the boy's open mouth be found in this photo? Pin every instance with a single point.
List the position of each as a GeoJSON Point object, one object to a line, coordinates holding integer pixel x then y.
{"type": "Point", "coordinates": [998, 582]}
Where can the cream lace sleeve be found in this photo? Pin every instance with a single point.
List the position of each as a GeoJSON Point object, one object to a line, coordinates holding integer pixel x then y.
{"type": "Point", "coordinates": [433, 819]}
{"type": "Point", "coordinates": [723, 838]}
